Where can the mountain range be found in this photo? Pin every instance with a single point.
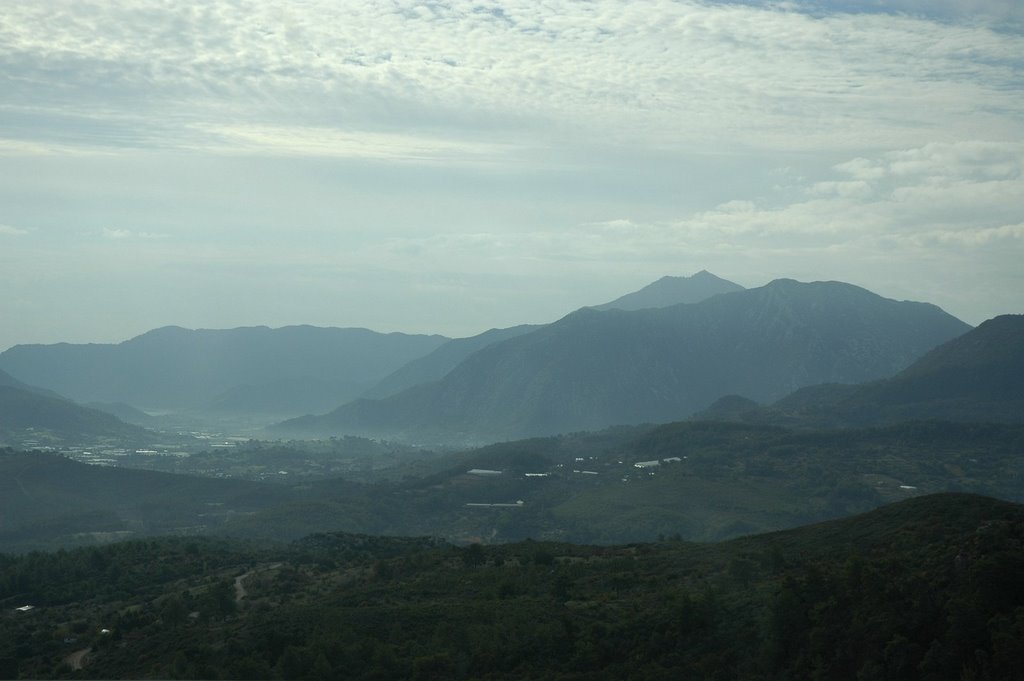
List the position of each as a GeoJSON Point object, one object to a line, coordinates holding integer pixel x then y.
{"type": "Point", "coordinates": [233, 369]}
{"type": "Point", "coordinates": [596, 368]}
{"type": "Point", "coordinates": [261, 374]}
{"type": "Point", "coordinates": [817, 354]}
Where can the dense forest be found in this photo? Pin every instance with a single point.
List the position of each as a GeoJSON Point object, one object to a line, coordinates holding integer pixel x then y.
{"type": "Point", "coordinates": [927, 588]}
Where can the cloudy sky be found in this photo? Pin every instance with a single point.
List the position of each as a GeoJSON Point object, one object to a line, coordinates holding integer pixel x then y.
{"type": "Point", "coordinates": [448, 167]}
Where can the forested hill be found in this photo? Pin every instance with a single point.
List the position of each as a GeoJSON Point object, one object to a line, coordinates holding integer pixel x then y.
{"type": "Point", "coordinates": [925, 589]}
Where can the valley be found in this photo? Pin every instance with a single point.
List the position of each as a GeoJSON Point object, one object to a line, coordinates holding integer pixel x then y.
{"type": "Point", "coordinates": [674, 481]}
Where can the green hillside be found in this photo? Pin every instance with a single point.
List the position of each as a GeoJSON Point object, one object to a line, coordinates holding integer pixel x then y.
{"type": "Point", "coordinates": [924, 589]}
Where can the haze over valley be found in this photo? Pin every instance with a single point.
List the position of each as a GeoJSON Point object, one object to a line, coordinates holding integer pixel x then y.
{"type": "Point", "coordinates": [691, 406]}
{"type": "Point", "coordinates": [670, 339]}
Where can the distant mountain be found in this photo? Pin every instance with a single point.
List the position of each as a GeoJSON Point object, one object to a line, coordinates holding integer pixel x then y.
{"type": "Point", "coordinates": [662, 293]}
{"type": "Point", "coordinates": [125, 412]}
{"type": "Point", "coordinates": [286, 397]}
{"type": "Point", "coordinates": [52, 420]}
{"type": "Point", "coordinates": [597, 368]}
{"type": "Point", "coordinates": [978, 376]}
{"type": "Point", "coordinates": [727, 408]}
{"type": "Point", "coordinates": [8, 381]}
{"type": "Point", "coordinates": [672, 291]}
{"type": "Point", "coordinates": [174, 367]}
{"type": "Point", "coordinates": [434, 366]}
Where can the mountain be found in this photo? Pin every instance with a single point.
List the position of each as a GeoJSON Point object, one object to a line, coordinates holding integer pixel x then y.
{"type": "Point", "coordinates": [285, 397]}
{"type": "Point", "coordinates": [52, 420]}
{"type": "Point", "coordinates": [727, 408]}
{"type": "Point", "coordinates": [662, 293]}
{"type": "Point", "coordinates": [595, 368]}
{"type": "Point", "coordinates": [672, 291]}
{"type": "Point", "coordinates": [8, 381]}
{"type": "Point", "coordinates": [172, 367]}
{"type": "Point", "coordinates": [125, 412]}
{"type": "Point", "coordinates": [978, 376]}
{"type": "Point", "coordinates": [434, 366]}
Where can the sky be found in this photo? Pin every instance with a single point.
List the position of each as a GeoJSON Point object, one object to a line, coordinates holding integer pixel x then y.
{"type": "Point", "coordinates": [449, 167]}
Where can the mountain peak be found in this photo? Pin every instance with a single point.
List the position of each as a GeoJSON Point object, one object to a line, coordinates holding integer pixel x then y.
{"type": "Point", "coordinates": [673, 290]}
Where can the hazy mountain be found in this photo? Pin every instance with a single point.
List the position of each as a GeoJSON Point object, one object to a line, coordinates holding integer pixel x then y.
{"type": "Point", "coordinates": [662, 293]}
{"type": "Point", "coordinates": [978, 376]}
{"type": "Point", "coordinates": [727, 408]}
{"type": "Point", "coordinates": [27, 414]}
{"type": "Point", "coordinates": [174, 367]}
{"type": "Point", "coordinates": [597, 368]}
{"type": "Point", "coordinates": [286, 397]}
{"type": "Point", "coordinates": [8, 381]}
{"type": "Point", "coordinates": [125, 412]}
{"type": "Point", "coordinates": [672, 291]}
{"type": "Point", "coordinates": [434, 366]}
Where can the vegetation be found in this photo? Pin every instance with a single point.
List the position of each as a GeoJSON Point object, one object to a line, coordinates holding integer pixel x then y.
{"type": "Point", "coordinates": [922, 589]}
{"type": "Point", "coordinates": [713, 481]}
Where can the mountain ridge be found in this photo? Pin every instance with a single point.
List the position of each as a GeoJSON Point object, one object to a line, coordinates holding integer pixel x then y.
{"type": "Point", "coordinates": [596, 368]}
{"type": "Point", "coordinates": [174, 367]}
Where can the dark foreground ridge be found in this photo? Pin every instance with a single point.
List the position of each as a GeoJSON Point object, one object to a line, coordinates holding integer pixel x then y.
{"type": "Point", "coordinates": [925, 588]}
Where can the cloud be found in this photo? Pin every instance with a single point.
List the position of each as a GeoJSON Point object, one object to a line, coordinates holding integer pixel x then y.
{"type": "Point", "coordinates": [328, 142]}
{"type": "Point", "coordinates": [8, 230]}
{"type": "Point", "coordinates": [655, 75]}
{"type": "Point", "coordinates": [118, 234]}
{"type": "Point", "coordinates": [948, 200]}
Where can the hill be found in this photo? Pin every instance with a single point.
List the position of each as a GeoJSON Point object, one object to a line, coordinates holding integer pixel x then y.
{"type": "Point", "coordinates": [125, 412]}
{"type": "Point", "coordinates": [928, 588]}
{"type": "Point", "coordinates": [27, 415]}
{"type": "Point", "coordinates": [673, 291]}
{"type": "Point", "coordinates": [174, 368]}
{"type": "Point", "coordinates": [978, 376]}
{"type": "Point", "coordinates": [594, 368]}
{"type": "Point", "coordinates": [50, 501]}
{"type": "Point", "coordinates": [700, 481]}
{"type": "Point", "coordinates": [8, 381]}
